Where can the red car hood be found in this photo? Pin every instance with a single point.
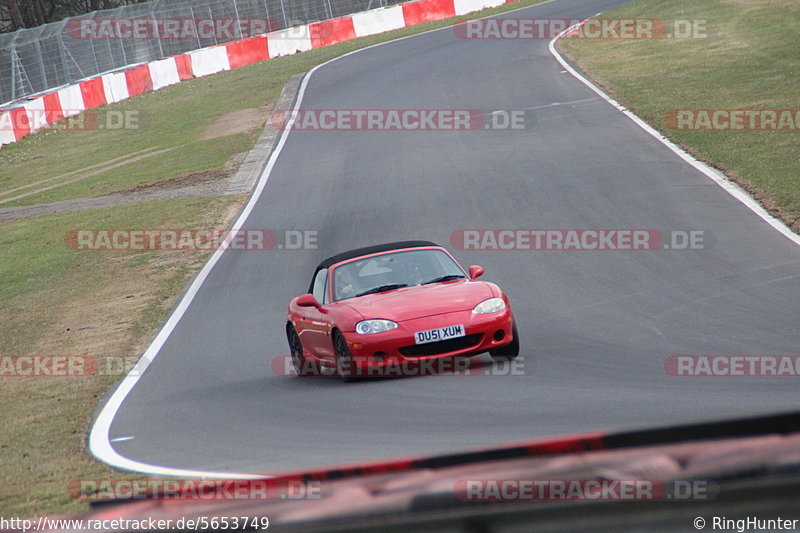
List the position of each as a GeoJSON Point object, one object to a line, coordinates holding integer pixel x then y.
{"type": "Point", "coordinates": [423, 300]}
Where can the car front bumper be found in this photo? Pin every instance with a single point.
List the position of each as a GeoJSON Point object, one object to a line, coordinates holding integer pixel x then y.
{"type": "Point", "coordinates": [391, 348]}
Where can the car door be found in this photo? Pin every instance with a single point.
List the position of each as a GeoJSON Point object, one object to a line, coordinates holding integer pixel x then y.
{"type": "Point", "coordinates": [316, 326]}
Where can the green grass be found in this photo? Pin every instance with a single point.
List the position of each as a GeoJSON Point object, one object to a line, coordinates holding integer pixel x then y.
{"type": "Point", "coordinates": [35, 260]}
{"type": "Point", "coordinates": [57, 301]}
{"type": "Point", "coordinates": [750, 59]}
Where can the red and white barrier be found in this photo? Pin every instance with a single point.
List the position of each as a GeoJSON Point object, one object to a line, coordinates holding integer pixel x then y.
{"type": "Point", "coordinates": [71, 100]}
{"type": "Point", "coordinates": [138, 80]}
{"type": "Point", "coordinates": [248, 51]}
{"type": "Point", "coordinates": [52, 107]}
{"type": "Point", "coordinates": [36, 114]}
{"type": "Point", "coordinates": [184, 65]}
{"type": "Point", "coordinates": [209, 60]}
{"type": "Point", "coordinates": [289, 41]}
{"type": "Point", "coordinates": [114, 87]}
{"type": "Point", "coordinates": [463, 7]}
{"type": "Point", "coordinates": [164, 73]}
{"type": "Point", "coordinates": [330, 32]}
{"type": "Point", "coordinates": [378, 21]}
{"type": "Point", "coordinates": [423, 11]}
{"type": "Point", "coordinates": [19, 122]}
{"type": "Point", "coordinates": [7, 135]}
{"type": "Point", "coordinates": [93, 93]}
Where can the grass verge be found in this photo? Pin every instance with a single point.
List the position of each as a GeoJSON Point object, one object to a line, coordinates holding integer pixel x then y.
{"type": "Point", "coordinates": [60, 302]}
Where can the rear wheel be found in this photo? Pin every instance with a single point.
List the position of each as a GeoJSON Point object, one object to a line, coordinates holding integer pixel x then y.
{"type": "Point", "coordinates": [345, 364]}
{"type": "Point", "coordinates": [301, 365]}
{"type": "Point", "coordinates": [509, 351]}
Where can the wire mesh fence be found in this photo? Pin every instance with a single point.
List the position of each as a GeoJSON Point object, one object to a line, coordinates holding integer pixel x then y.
{"type": "Point", "coordinates": [37, 59]}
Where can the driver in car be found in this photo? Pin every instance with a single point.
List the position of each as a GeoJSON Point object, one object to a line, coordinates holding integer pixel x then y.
{"type": "Point", "coordinates": [346, 284]}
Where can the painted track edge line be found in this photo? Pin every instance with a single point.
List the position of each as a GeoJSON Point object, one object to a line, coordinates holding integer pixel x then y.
{"type": "Point", "coordinates": [718, 177]}
{"type": "Point", "coordinates": [99, 442]}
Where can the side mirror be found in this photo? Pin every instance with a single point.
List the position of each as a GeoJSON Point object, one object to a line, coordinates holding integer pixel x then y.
{"type": "Point", "coordinates": [475, 271]}
{"type": "Point", "coordinates": [308, 300]}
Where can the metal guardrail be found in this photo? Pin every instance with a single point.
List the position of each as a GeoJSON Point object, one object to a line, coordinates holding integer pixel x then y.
{"type": "Point", "coordinates": [42, 58]}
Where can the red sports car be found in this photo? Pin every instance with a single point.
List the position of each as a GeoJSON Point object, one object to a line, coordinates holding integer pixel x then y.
{"type": "Point", "coordinates": [394, 304]}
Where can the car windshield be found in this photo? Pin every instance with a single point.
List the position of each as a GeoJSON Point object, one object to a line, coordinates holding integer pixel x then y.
{"type": "Point", "coordinates": [393, 271]}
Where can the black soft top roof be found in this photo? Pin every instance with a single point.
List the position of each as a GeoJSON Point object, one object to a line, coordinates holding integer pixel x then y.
{"type": "Point", "coordinates": [367, 250]}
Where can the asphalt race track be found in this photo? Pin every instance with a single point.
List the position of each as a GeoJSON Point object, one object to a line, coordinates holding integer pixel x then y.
{"type": "Point", "coordinates": [596, 326]}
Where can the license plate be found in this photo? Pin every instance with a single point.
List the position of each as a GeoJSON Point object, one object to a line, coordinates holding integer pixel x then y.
{"type": "Point", "coordinates": [439, 334]}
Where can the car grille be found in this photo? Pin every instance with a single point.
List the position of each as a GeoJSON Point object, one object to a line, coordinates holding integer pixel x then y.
{"type": "Point", "coordinates": [436, 348]}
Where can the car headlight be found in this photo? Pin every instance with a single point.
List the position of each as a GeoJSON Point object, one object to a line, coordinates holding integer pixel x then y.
{"type": "Point", "coordinates": [376, 325]}
{"type": "Point", "coordinates": [492, 305]}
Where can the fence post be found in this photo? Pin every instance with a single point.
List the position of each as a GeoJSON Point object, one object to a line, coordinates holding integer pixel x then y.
{"type": "Point", "coordinates": [13, 74]}
{"type": "Point", "coordinates": [94, 56]}
{"type": "Point", "coordinates": [211, 18]}
{"type": "Point", "coordinates": [111, 55]}
{"type": "Point", "coordinates": [45, 85]}
{"type": "Point", "coordinates": [196, 27]}
{"type": "Point", "coordinates": [122, 46]}
{"type": "Point", "coordinates": [62, 48]}
{"type": "Point", "coordinates": [238, 20]}
{"type": "Point", "coordinates": [155, 25]}
{"type": "Point", "coordinates": [266, 17]}
{"type": "Point", "coordinates": [14, 58]}
{"type": "Point", "coordinates": [283, 12]}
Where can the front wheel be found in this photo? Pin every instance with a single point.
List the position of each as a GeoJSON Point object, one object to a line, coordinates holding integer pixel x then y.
{"type": "Point", "coordinates": [301, 364]}
{"type": "Point", "coordinates": [509, 351]}
{"type": "Point", "coordinates": [345, 364]}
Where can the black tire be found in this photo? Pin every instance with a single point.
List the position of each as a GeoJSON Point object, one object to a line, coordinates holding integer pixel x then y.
{"type": "Point", "coordinates": [345, 364]}
{"type": "Point", "coordinates": [509, 351]}
{"type": "Point", "coordinates": [299, 361]}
